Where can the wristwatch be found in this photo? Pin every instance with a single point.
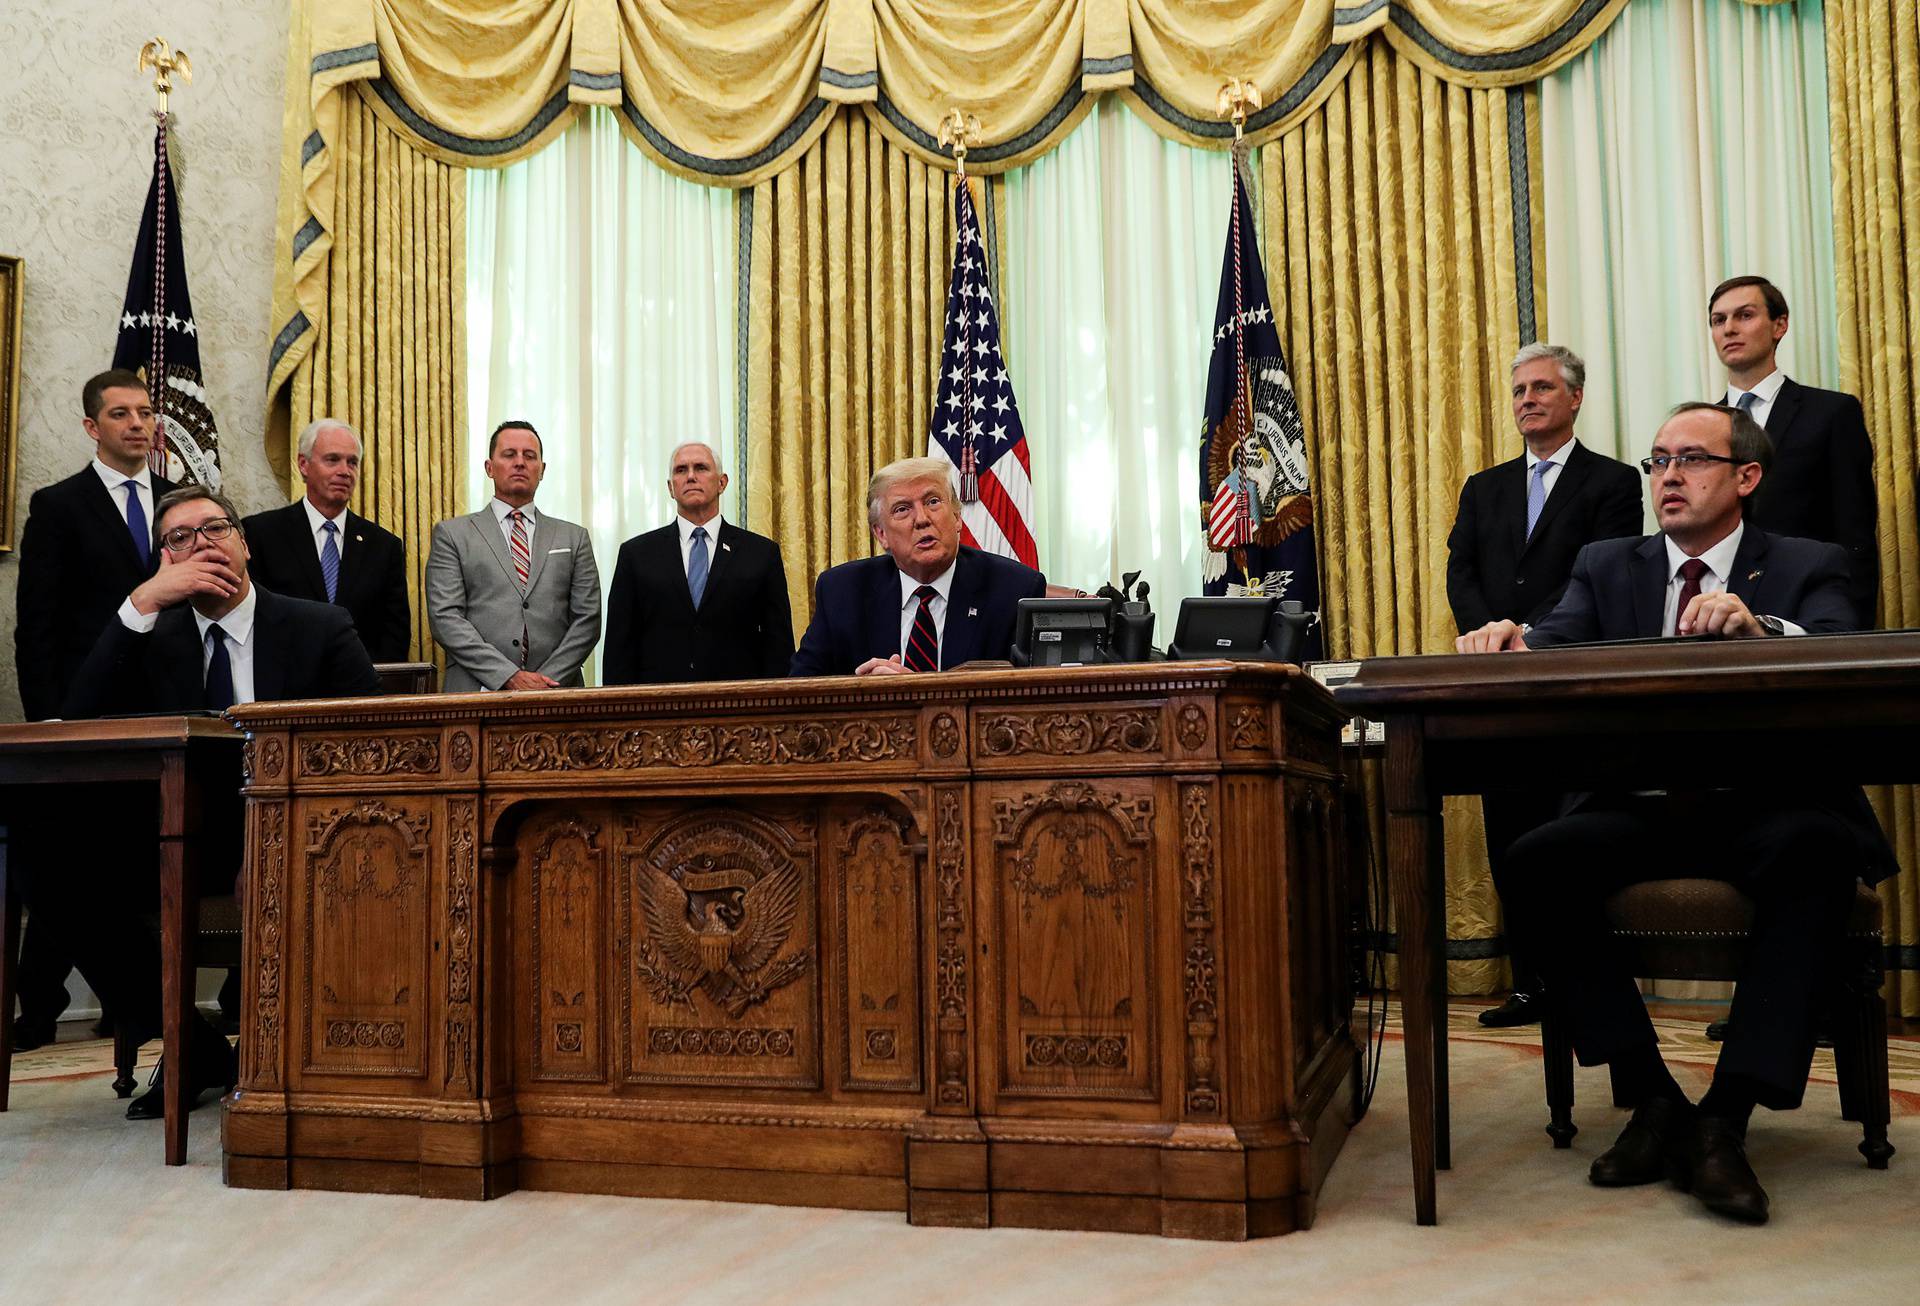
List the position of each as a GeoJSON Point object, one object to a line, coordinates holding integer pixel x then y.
{"type": "Point", "coordinates": [1772, 625]}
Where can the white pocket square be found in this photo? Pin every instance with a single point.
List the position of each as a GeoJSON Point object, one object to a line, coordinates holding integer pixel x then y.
{"type": "Point", "coordinates": [568, 549]}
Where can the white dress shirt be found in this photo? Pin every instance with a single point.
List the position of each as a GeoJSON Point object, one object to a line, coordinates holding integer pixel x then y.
{"type": "Point", "coordinates": [1719, 560]}
{"type": "Point", "coordinates": [686, 541]}
{"type": "Point", "coordinates": [500, 510]}
{"type": "Point", "coordinates": [937, 606]}
{"type": "Point", "coordinates": [1556, 463]}
{"type": "Point", "coordinates": [316, 519]}
{"type": "Point", "coordinates": [114, 480]}
{"type": "Point", "coordinates": [237, 626]}
{"type": "Point", "coordinates": [1764, 392]}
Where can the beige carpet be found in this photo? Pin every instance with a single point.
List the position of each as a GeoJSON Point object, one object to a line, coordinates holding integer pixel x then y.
{"type": "Point", "coordinates": [89, 1215]}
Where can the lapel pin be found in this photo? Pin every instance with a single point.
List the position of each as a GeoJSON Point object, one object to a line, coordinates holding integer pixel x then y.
{"type": "Point", "coordinates": [359, 538]}
{"type": "Point", "coordinates": [726, 548]}
{"type": "Point", "coordinates": [973, 612]}
{"type": "Point", "coordinates": [1755, 573]}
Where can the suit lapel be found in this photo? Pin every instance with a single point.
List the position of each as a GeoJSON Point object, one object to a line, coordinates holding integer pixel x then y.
{"type": "Point", "coordinates": [487, 526]}
{"type": "Point", "coordinates": [1513, 490]}
{"type": "Point", "coordinates": [269, 648]}
{"type": "Point", "coordinates": [1786, 405]}
{"type": "Point", "coordinates": [112, 516]}
{"type": "Point", "coordinates": [1565, 486]}
{"type": "Point", "coordinates": [883, 609]}
{"type": "Point", "coordinates": [1649, 579]}
{"type": "Point", "coordinates": [309, 554]}
{"type": "Point", "coordinates": [1749, 566]}
{"type": "Point", "coordinates": [539, 540]}
{"type": "Point", "coordinates": [719, 561]}
{"type": "Point", "coordinates": [960, 641]}
{"type": "Point", "coordinates": [178, 661]}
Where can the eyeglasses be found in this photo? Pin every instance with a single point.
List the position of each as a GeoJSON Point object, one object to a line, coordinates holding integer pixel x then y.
{"type": "Point", "coordinates": [1686, 462]}
{"type": "Point", "coordinates": [180, 538]}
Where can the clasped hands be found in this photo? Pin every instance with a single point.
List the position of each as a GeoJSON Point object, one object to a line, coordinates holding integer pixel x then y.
{"type": "Point", "coordinates": [181, 580]}
{"type": "Point", "coordinates": [1724, 613]}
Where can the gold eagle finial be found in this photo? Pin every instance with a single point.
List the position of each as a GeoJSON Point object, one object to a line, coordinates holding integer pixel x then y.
{"type": "Point", "coordinates": [1238, 98]}
{"type": "Point", "coordinates": [958, 130]}
{"type": "Point", "coordinates": [164, 62]}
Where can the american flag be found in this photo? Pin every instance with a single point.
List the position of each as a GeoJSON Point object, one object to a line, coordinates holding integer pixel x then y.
{"type": "Point", "coordinates": [976, 424]}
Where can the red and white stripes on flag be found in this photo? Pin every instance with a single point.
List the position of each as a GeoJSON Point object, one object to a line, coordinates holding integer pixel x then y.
{"type": "Point", "coordinates": [976, 424]}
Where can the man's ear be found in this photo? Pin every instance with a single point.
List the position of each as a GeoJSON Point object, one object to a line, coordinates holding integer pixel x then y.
{"type": "Point", "coordinates": [1749, 478]}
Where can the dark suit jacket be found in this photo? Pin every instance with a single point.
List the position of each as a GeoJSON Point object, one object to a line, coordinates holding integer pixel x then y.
{"type": "Point", "coordinates": [76, 564]}
{"type": "Point", "coordinates": [1820, 486]}
{"type": "Point", "coordinates": [373, 574]}
{"type": "Point", "coordinates": [856, 612]}
{"type": "Point", "coordinates": [1496, 571]}
{"type": "Point", "coordinates": [304, 650]}
{"type": "Point", "coordinates": [1618, 591]}
{"type": "Point", "coordinates": [743, 629]}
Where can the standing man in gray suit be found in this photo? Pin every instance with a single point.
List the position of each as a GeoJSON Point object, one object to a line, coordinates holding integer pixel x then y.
{"type": "Point", "coordinates": [512, 594]}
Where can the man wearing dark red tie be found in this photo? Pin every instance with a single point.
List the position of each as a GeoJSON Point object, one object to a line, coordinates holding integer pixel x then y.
{"type": "Point", "coordinates": [88, 541]}
{"type": "Point", "coordinates": [1796, 848]}
{"type": "Point", "coordinates": [929, 602]}
{"type": "Point", "coordinates": [1820, 486]}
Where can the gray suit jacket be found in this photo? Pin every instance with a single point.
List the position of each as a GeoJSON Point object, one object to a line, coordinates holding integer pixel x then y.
{"type": "Point", "coordinates": [479, 614]}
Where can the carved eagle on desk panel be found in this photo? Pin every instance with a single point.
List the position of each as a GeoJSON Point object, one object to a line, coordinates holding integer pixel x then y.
{"type": "Point", "coordinates": [718, 929]}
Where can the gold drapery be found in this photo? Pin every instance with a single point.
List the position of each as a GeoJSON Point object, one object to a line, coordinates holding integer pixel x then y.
{"type": "Point", "coordinates": [1403, 242]}
{"type": "Point", "coordinates": [391, 357]}
{"type": "Point", "coordinates": [1873, 79]}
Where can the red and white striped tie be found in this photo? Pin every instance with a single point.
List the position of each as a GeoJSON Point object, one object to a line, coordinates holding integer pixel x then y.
{"type": "Point", "coordinates": [522, 550]}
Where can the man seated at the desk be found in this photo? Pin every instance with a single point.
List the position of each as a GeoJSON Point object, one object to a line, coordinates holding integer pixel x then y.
{"type": "Point", "coordinates": [1795, 849]}
{"type": "Point", "coordinates": [929, 602]}
{"type": "Point", "coordinates": [197, 635]}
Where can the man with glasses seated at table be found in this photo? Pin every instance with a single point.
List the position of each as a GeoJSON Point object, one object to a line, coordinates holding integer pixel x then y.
{"type": "Point", "coordinates": [1796, 848]}
{"type": "Point", "coordinates": [196, 636]}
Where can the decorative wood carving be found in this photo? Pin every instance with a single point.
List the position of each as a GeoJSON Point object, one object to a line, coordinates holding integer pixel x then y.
{"type": "Point", "coordinates": [944, 737]}
{"type": "Point", "coordinates": [390, 1034]}
{"type": "Point", "coordinates": [1247, 727]}
{"type": "Point", "coordinates": [1201, 952]}
{"type": "Point", "coordinates": [272, 759]}
{"type": "Point", "coordinates": [1191, 727]}
{"type": "Point", "coordinates": [699, 1041]}
{"type": "Point", "coordinates": [565, 875]}
{"type": "Point", "coordinates": [879, 933]}
{"type": "Point", "coordinates": [1107, 1051]}
{"type": "Point", "coordinates": [371, 755]}
{"type": "Point", "coordinates": [871, 739]}
{"type": "Point", "coordinates": [950, 957]}
{"type": "Point", "coordinates": [1070, 734]}
{"type": "Point", "coordinates": [269, 855]}
{"type": "Point", "coordinates": [366, 928]}
{"type": "Point", "coordinates": [460, 750]}
{"type": "Point", "coordinates": [461, 887]}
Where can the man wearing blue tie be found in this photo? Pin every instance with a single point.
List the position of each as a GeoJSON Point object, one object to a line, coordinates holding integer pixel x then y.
{"type": "Point", "coordinates": [87, 542]}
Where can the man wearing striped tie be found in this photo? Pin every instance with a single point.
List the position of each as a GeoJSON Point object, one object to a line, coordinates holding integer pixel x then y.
{"type": "Point", "coordinates": [513, 594]}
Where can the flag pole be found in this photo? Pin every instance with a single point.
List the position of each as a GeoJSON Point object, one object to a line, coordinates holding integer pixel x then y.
{"type": "Point", "coordinates": [1239, 97]}
{"type": "Point", "coordinates": [164, 62]}
{"type": "Point", "coordinates": [958, 130]}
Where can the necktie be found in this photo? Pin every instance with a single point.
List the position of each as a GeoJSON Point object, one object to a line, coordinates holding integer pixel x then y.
{"type": "Point", "coordinates": [697, 566]}
{"type": "Point", "coordinates": [219, 670]}
{"type": "Point", "coordinates": [330, 561]}
{"type": "Point", "coordinates": [1536, 494]}
{"type": "Point", "coordinates": [923, 642]}
{"type": "Point", "coordinates": [1748, 402]}
{"type": "Point", "coordinates": [137, 523]}
{"type": "Point", "coordinates": [521, 547]}
{"type": "Point", "coordinates": [1690, 573]}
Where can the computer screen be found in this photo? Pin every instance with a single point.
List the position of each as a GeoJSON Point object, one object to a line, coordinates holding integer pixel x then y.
{"type": "Point", "coordinates": [1060, 632]}
{"type": "Point", "coordinates": [1219, 627]}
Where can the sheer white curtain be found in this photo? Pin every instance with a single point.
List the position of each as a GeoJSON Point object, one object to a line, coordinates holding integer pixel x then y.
{"type": "Point", "coordinates": [1114, 243]}
{"type": "Point", "coordinates": [601, 308]}
{"type": "Point", "coordinates": [1688, 145]}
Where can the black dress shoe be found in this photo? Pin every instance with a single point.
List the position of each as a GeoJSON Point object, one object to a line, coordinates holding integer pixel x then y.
{"type": "Point", "coordinates": [31, 1034]}
{"type": "Point", "coordinates": [1645, 1152]}
{"type": "Point", "coordinates": [212, 1068]}
{"type": "Point", "coordinates": [1713, 1167]}
{"type": "Point", "coordinates": [1520, 1009]}
{"type": "Point", "coordinates": [1716, 1031]}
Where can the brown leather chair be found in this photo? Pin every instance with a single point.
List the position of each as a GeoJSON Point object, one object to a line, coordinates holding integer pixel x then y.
{"type": "Point", "coordinates": [1698, 930]}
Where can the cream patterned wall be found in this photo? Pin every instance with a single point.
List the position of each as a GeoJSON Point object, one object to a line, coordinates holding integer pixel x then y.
{"type": "Point", "coordinates": [76, 155]}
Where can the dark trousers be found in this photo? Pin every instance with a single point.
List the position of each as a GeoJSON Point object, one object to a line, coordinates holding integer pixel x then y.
{"type": "Point", "coordinates": [1508, 816]}
{"type": "Point", "coordinates": [1797, 863]}
{"type": "Point", "coordinates": [40, 979]}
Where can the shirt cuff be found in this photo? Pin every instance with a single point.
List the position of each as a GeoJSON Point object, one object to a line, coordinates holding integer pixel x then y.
{"type": "Point", "coordinates": [140, 623]}
{"type": "Point", "coordinates": [1791, 627]}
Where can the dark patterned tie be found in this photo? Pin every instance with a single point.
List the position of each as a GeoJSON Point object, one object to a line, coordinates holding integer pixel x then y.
{"type": "Point", "coordinates": [330, 561]}
{"type": "Point", "coordinates": [1690, 573]}
{"type": "Point", "coordinates": [923, 642]}
{"type": "Point", "coordinates": [219, 671]}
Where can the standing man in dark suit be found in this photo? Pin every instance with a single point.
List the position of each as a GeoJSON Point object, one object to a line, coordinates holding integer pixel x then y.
{"type": "Point", "coordinates": [1820, 486]}
{"type": "Point", "coordinates": [701, 599]}
{"type": "Point", "coordinates": [88, 540]}
{"type": "Point", "coordinates": [927, 603]}
{"type": "Point", "coordinates": [196, 636]}
{"type": "Point", "coordinates": [318, 550]}
{"type": "Point", "coordinates": [1796, 846]}
{"type": "Point", "coordinates": [1512, 547]}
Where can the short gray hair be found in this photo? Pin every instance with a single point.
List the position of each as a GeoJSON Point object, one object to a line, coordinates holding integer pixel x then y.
{"type": "Point", "coordinates": [906, 469]}
{"type": "Point", "coordinates": [311, 432]}
{"type": "Point", "coordinates": [712, 453]}
{"type": "Point", "coordinates": [189, 494]}
{"type": "Point", "coordinates": [1572, 370]}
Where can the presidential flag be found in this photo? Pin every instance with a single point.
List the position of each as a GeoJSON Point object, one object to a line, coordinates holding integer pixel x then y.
{"type": "Point", "coordinates": [976, 424]}
{"type": "Point", "coordinates": [1256, 507]}
{"type": "Point", "coordinates": [159, 338]}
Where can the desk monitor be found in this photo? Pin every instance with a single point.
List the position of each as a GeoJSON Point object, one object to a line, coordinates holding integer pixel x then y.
{"type": "Point", "coordinates": [1218, 627]}
{"type": "Point", "coordinates": [1061, 632]}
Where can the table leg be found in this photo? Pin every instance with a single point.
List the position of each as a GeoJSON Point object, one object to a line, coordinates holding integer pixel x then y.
{"type": "Point", "coordinates": [1414, 851]}
{"type": "Point", "coordinates": [176, 951]}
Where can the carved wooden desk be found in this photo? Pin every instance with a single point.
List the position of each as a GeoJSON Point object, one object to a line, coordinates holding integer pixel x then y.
{"type": "Point", "coordinates": [1048, 948]}
{"type": "Point", "coordinates": [1842, 707]}
{"type": "Point", "coordinates": [181, 757]}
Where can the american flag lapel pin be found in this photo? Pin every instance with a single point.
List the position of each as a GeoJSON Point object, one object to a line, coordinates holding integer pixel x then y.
{"type": "Point", "coordinates": [1755, 573]}
{"type": "Point", "coordinates": [726, 548]}
{"type": "Point", "coordinates": [973, 612]}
